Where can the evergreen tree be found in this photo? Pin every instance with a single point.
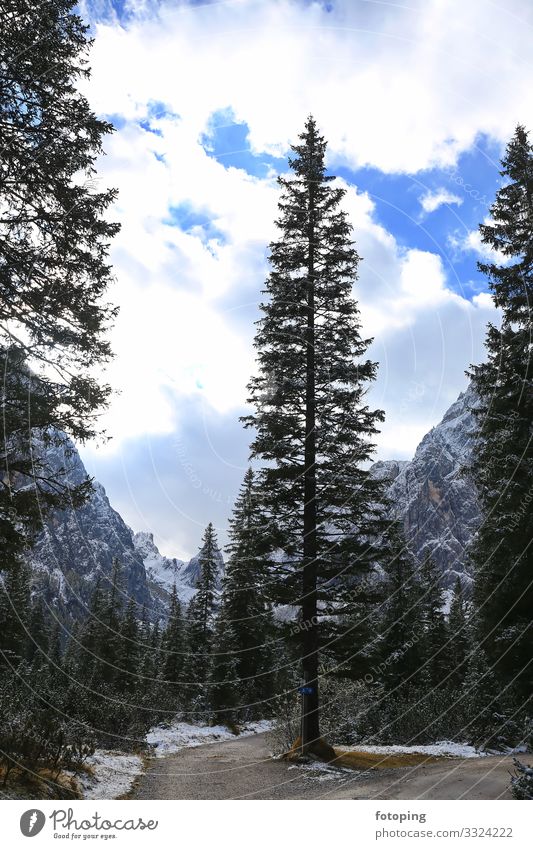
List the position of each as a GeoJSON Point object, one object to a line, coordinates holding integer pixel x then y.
{"type": "Point", "coordinates": [108, 631]}
{"type": "Point", "coordinates": [228, 695]}
{"type": "Point", "coordinates": [400, 624]}
{"type": "Point", "coordinates": [129, 650]}
{"type": "Point", "coordinates": [82, 653]}
{"type": "Point", "coordinates": [38, 633]}
{"type": "Point", "coordinates": [15, 613]}
{"type": "Point", "coordinates": [243, 654]}
{"type": "Point", "coordinates": [433, 630]}
{"type": "Point", "coordinates": [55, 654]}
{"type": "Point", "coordinates": [54, 240]}
{"type": "Point", "coordinates": [313, 428]}
{"type": "Point", "coordinates": [155, 649]}
{"type": "Point", "coordinates": [457, 649]}
{"type": "Point", "coordinates": [147, 667]}
{"type": "Point", "coordinates": [503, 467]}
{"type": "Point", "coordinates": [173, 648]}
{"type": "Point", "coordinates": [201, 624]}
{"type": "Point", "coordinates": [480, 700]}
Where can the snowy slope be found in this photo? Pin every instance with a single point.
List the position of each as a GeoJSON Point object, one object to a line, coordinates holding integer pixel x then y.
{"type": "Point", "coordinates": [78, 545]}
{"type": "Point", "coordinates": [434, 493]}
{"type": "Point", "coordinates": [163, 572]}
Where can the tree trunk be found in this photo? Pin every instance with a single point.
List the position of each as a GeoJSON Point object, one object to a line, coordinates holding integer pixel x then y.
{"type": "Point", "coordinates": [310, 712]}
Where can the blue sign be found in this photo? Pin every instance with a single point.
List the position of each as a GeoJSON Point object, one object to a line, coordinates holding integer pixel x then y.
{"type": "Point", "coordinates": [306, 691]}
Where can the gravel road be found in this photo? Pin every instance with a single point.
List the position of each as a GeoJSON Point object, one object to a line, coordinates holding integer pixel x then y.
{"type": "Point", "coordinates": [243, 769]}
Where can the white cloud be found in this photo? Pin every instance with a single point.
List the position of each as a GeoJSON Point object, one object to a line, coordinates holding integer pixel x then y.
{"type": "Point", "coordinates": [470, 242]}
{"type": "Point", "coordinates": [401, 90]}
{"type": "Point", "coordinates": [431, 201]}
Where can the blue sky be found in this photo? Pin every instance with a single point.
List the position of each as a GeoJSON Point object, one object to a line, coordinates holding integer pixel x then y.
{"type": "Point", "coordinates": [206, 99]}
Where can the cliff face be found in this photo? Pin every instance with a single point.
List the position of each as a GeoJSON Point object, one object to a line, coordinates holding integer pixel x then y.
{"type": "Point", "coordinates": [434, 494]}
{"type": "Point", "coordinates": [78, 546]}
{"type": "Point", "coordinates": [163, 572]}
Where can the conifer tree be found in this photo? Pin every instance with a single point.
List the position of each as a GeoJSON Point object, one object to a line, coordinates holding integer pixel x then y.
{"type": "Point", "coordinates": [400, 624]}
{"type": "Point", "coordinates": [480, 699]}
{"type": "Point", "coordinates": [15, 612]}
{"type": "Point", "coordinates": [55, 654]}
{"type": "Point", "coordinates": [433, 628]}
{"type": "Point", "coordinates": [243, 654]}
{"type": "Point", "coordinates": [129, 649]}
{"type": "Point", "coordinates": [38, 633]}
{"type": "Point", "coordinates": [54, 241]}
{"type": "Point", "coordinates": [173, 647]}
{"type": "Point", "coordinates": [458, 642]}
{"type": "Point", "coordinates": [201, 624]}
{"type": "Point", "coordinates": [84, 654]}
{"type": "Point", "coordinates": [503, 467]}
{"type": "Point", "coordinates": [228, 695]}
{"type": "Point", "coordinates": [109, 641]}
{"type": "Point", "coordinates": [147, 667]}
{"type": "Point", "coordinates": [313, 428]}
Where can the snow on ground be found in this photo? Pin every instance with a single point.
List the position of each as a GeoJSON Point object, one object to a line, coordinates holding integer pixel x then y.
{"type": "Point", "coordinates": [167, 739]}
{"type": "Point", "coordinates": [112, 774]}
{"type": "Point", "coordinates": [444, 748]}
{"type": "Point", "coordinates": [320, 771]}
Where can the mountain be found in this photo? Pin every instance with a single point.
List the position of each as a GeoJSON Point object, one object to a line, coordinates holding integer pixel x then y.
{"type": "Point", "coordinates": [163, 572]}
{"type": "Point", "coordinates": [434, 494]}
{"type": "Point", "coordinates": [78, 546]}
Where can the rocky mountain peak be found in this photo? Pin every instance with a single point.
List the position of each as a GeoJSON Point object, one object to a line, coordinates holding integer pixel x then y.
{"type": "Point", "coordinates": [434, 494]}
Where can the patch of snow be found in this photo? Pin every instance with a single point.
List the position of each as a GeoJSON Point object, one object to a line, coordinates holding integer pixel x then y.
{"type": "Point", "coordinates": [320, 771]}
{"type": "Point", "coordinates": [168, 739]}
{"type": "Point", "coordinates": [112, 774]}
{"type": "Point", "coordinates": [444, 748]}
{"type": "Point", "coordinates": [517, 750]}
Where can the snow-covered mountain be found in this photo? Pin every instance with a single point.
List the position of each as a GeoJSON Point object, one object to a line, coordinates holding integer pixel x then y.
{"type": "Point", "coordinates": [163, 572]}
{"type": "Point", "coordinates": [78, 546]}
{"type": "Point", "coordinates": [434, 493]}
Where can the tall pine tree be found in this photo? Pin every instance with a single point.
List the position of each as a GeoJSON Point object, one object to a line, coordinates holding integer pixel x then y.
{"type": "Point", "coordinates": [243, 659]}
{"type": "Point", "coordinates": [173, 649]}
{"type": "Point", "coordinates": [313, 428]}
{"type": "Point", "coordinates": [503, 548]}
{"type": "Point", "coordinates": [459, 637]}
{"type": "Point", "coordinates": [201, 624]}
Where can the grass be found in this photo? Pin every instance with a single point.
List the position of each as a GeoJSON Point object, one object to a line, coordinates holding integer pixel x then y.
{"type": "Point", "coordinates": [42, 783]}
{"type": "Point", "coordinates": [359, 760]}
{"type": "Point", "coordinates": [373, 760]}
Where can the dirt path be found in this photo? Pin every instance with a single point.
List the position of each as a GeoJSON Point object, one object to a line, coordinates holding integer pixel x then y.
{"type": "Point", "coordinates": [243, 769]}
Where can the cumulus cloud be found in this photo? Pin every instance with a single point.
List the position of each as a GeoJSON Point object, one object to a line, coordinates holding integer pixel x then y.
{"type": "Point", "coordinates": [401, 90]}
{"type": "Point", "coordinates": [470, 242]}
{"type": "Point", "coordinates": [431, 201]}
